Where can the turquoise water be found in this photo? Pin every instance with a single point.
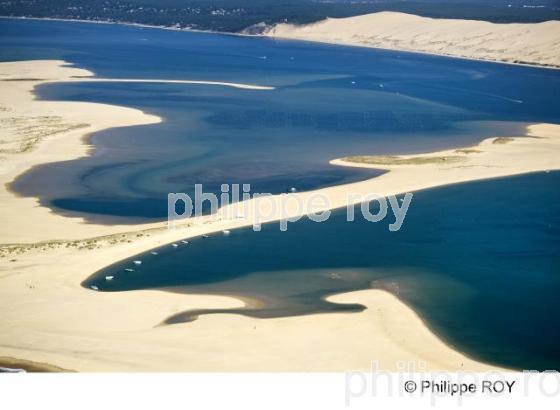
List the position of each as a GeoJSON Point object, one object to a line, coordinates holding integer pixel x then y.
{"type": "Point", "coordinates": [478, 261]}
{"type": "Point", "coordinates": [329, 102]}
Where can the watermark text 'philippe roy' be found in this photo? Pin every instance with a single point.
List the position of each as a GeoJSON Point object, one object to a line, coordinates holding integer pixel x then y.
{"type": "Point", "coordinates": [289, 207]}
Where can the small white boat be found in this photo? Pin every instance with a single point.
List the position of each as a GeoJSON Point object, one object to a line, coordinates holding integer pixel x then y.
{"type": "Point", "coordinates": [108, 278]}
{"type": "Point", "coordinates": [226, 232]}
{"type": "Point", "coordinates": [138, 262]}
{"type": "Point", "coordinates": [153, 252]}
{"type": "Point", "coordinates": [353, 82]}
{"type": "Point", "coordinates": [205, 236]}
{"type": "Point", "coordinates": [185, 242]}
{"type": "Point", "coordinates": [174, 245]}
{"type": "Point", "coordinates": [94, 287]}
{"type": "Point", "coordinates": [129, 270]}
{"type": "Point", "coordinates": [293, 189]}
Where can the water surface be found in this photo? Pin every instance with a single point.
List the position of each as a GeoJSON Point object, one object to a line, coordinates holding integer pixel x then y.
{"type": "Point", "coordinates": [329, 101]}
{"type": "Point", "coordinates": [478, 261]}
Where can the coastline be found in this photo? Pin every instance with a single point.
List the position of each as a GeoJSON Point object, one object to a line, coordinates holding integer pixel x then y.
{"type": "Point", "coordinates": [464, 39]}
{"type": "Point", "coordinates": [60, 133]}
{"type": "Point", "coordinates": [48, 317]}
{"type": "Point", "coordinates": [60, 138]}
{"type": "Point", "coordinates": [276, 37]}
{"type": "Point", "coordinates": [427, 53]}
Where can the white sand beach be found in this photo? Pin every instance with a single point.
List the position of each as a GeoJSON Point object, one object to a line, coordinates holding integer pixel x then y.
{"type": "Point", "coordinates": [531, 43]}
{"type": "Point", "coordinates": [48, 317]}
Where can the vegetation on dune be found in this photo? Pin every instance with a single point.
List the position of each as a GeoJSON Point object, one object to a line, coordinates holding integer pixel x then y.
{"type": "Point", "coordinates": [395, 160]}
{"type": "Point", "coordinates": [502, 140]}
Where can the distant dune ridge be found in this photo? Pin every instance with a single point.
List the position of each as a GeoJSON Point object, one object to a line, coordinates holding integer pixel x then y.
{"type": "Point", "coordinates": [532, 43]}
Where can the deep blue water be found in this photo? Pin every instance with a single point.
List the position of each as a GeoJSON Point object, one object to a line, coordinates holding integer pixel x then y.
{"type": "Point", "coordinates": [478, 261]}
{"type": "Point", "coordinates": [330, 102]}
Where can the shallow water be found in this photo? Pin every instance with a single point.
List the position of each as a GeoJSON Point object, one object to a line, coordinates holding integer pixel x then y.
{"type": "Point", "coordinates": [329, 101]}
{"type": "Point", "coordinates": [478, 261]}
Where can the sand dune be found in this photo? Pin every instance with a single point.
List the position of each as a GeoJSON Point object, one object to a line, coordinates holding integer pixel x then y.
{"type": "Point", "coordinates": [535, 43]}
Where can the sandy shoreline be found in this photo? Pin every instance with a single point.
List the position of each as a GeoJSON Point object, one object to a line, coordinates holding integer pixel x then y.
{"type": "Point", "coordinates": [48, 317]}
{"type": "Point", "coordinates": [531, 44]}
